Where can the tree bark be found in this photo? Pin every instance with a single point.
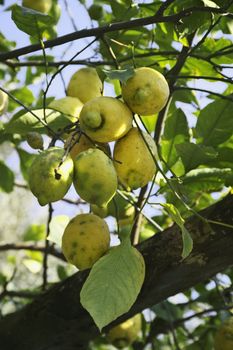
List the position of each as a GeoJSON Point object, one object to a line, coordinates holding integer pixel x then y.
{"type": "Point", "coordinates": [57, 321]}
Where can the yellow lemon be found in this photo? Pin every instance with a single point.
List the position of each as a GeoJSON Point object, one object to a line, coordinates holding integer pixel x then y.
{"type": "Point", "coordinates": [85, 84]}
{"type": "Point", "coordinates": [50, 176]}
{"type": "Point", "coordinates": [224, 336]}
{"type": "Point", "coordinates": [105, 119]}
{"type": "Point", "coordinates": [3, 102]}
{"type": "Point", "coordinates": [125, 333]}
{"type": "Point", "coordinates": [146, 92]}
{"type": "Point", "coordinates": [70, 106]}
{"type": "Point", "coordinates": [134, 163]}
{"type": "Point", "coordinates": [80, 143]}
{"type": "Point", "coordinates": [86, 238]}
{"type": "Point", "coordinates": [43, 6]}
{"type": "Point", "coordinates": [95, 178]}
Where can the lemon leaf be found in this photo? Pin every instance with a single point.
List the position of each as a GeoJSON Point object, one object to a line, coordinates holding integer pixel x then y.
{"type": "Point", "coordinates": [174, 213]}
{"type": "Point", "coordinates": [113, 284]}
{"type": "Point", "coordinates": [121, 74]}
{"type": "Point", "coordinates": [187, 242]}
{"type": "Point", "coordinates": [30, 21]}
{"type": "Point", "coordinates": [22, 123]}
{"type": "Point", "coordinates": [57, 227]}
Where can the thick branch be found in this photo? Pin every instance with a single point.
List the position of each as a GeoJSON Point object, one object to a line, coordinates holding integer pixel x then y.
{"type": "Point", "coordinates": [113, 27]}
{"type": "Point", "coordinates": [57, 321]}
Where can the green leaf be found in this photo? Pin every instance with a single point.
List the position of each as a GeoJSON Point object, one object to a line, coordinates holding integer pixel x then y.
{"type": "Point", "coordinates": [187, 242]}
{"type": "Point", "coordinates": [215, 123]}
{"type": "Point", "coordinates": [167, 311]}
{"type": "Point", "coordinates": [57, 227]}
{"type": "Point", "coordinates": [22, 122]}
{"type": "Point", "coordinates": [121, 74]}
{"type": "Point", "coordinates": [6, 178]}
{"type": "Point", "coordinates": [61, 272]}
{"type": "Point", "coordinates": [177, 218]}
{"type": "Point", "coordinates": [24, 95]}
{"type": "Point", "coordinates": [113, 284]}
{"type": "Point", "coordinates": [175, 132]}
{"type": "Point", "coordinates": [173, 213]}
{"type": "Point", "coordinates": [206, 179]}
{"type": "Point", "coordinates": [26, 160]}
{"type": "Point", "coordinates": [193, 155]}
{"type": "Point", "coordinates": [29, 21]}
{"type": "Point", "coordinates": [35, 233]}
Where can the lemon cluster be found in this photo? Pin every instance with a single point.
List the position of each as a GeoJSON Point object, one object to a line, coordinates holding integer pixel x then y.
{"type": "Point", "coordinates": [87, 162]}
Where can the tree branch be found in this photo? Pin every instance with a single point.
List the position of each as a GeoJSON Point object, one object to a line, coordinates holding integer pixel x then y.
{"type": "Point", "coordinates": [96, 32]}
{"type": "Point", "coordinates": [62, 321]}
{"type": "Point", "coordinates": [33, 247]}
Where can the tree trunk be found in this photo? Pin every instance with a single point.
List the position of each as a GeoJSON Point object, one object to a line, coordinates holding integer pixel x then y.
{"type": "Point", "coordinates": [57, 321]}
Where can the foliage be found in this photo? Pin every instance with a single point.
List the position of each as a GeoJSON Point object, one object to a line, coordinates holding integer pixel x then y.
{"type": "Point", "coordinates": [190, 43]}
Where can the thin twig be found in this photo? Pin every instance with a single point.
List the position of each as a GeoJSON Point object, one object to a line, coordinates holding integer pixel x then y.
{"type": "Point", "coordinates": [47, 246]}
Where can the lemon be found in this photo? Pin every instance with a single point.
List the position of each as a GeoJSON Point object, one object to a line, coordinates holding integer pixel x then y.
{"type": "Point", "coordinates": [86, 238]}
{"type": "Point", "coordinates": [80, 143]}
{"type": "Point", "coordinates": [85, 84]}
{"type": "Point", "coordinates": [105, 119]}
{"type": "Point", "coordinates": [43, 6]}
{"type": "Point", "coordinates": [95, 178]}
{"type": "Point", "coordinates": [224, 336]}
{"type": "Point", "coordinates": [35, 140]}
{"type": "Point", "coordinates": [3, 102]}
{"type": "Point", "coordinates": [134, 163]}
{"type": "Point", "coordinates": [146, 92]}
{"type": "Point", "coordinates": [96, 12]}
{"type": "Point", "coordinates": [67, 105]}
{"type": "Point", "coordinates": [50, 176]}
{"type": "Point", "coordinates": [125, 333]}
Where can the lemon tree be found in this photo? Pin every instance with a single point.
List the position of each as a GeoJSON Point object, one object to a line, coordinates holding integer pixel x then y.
{"type": "Point", "coordinates": [116, 174]}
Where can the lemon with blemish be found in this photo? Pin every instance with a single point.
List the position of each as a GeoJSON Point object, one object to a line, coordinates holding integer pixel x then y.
{"type": "Point", "coordinates": [70, 106]}
{"type": "Point", "coordinates": [85, 84]}
{"type": "Point", "coordinates": [51, 175]}
{"type": "Point", "coordinates": [126, 332]}
{"type": "Point", "coordinates": [95, 178]}
{"type": "Point", "coordinates": [146, 92]}
{"type": "Point", "coordinates": [79, 143]}
{"type": "Point", "coordinates": [133, 159]}
{"type": "Point", "coordinates": [86, 238]}
{"type": "Point", "coordinates": [43, 6]}
{"type": "Point", "coordinates": [224, 336]}
{"type": "Point", "coordinates": [3, 102]}
{"type": "Point", "coordinates": [105, 119]}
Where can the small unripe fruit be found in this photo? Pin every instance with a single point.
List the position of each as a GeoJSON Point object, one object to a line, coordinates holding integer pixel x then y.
{"type": "Point", "coordinates": [96, 12]}
{"type": "Point", "coordinates": [35, 140]}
